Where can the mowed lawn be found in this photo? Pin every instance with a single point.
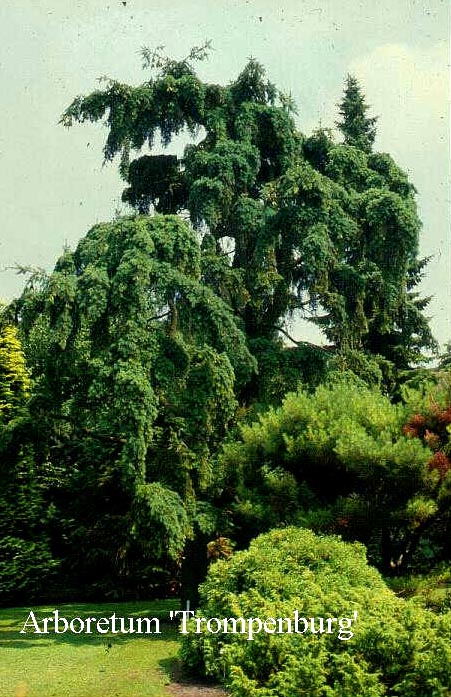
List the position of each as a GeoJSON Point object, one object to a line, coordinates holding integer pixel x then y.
{"type": "Point", "coordinates": [83, 665]}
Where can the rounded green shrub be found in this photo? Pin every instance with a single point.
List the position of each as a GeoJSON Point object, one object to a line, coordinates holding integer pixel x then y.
{"type": "Point", "coordinates": [396, 648]}
{"type": "Point", "coordinates": [336, 461]}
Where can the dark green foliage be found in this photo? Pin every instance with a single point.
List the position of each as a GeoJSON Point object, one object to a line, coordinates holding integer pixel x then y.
{"type": "Point", "coordinates": [26, 567]}
{"type": "Point", "coordinates": [160, 175]}
{"type": "Point", "coordinates": [358, 128]}
{"type": "Point", "coordinates": [26, 562]}
{"type": "Point", "coordinates": [396, 648]}
{"type": "Point", "coordinates": [336, 461]}
{"type": "Point", "coordinates": [340, 225]}
{"type": "Point", "coordinates": [303, 223]}
{"type": "Point", "coordinates": [282, 369]}
{"type": "Point", "coordinates": [137, 385]}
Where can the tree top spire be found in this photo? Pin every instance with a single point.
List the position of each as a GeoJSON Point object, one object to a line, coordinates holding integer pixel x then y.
{"type": "Point", "coordinates": [358, 129]}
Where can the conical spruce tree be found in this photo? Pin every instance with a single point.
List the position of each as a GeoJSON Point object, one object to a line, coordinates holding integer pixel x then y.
{"type": "Point", "coordinates": [357, 128]}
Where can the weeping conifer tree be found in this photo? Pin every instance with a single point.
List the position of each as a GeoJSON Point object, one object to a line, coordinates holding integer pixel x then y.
{"type": "Point", "coordinates": [290, 225]}
{"type": "Point", "coordinates": [136, 363]}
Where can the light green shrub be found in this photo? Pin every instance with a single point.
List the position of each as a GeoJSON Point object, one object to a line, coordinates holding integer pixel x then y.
{"type": "Point", "coordinates": [397, 647]}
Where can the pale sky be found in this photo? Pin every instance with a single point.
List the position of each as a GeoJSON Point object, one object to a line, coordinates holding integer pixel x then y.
{"type": "Point", "coordinates": [53, 187]}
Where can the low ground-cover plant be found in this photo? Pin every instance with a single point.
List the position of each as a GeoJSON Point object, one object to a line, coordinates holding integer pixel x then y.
{"type": "Point", "coordinates": [397, 648]}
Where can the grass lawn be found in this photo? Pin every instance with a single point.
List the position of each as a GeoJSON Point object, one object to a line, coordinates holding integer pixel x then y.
{"type": "Point", "coordinates": [83, 665]}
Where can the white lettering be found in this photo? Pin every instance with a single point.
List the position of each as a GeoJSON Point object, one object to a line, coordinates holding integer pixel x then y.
{"type": "Point", "coordinates": [250, 627]}
{"type": "Point", "coordinates": [186, 615]}
{"type": "Point", "coordinates": [99, 628]}
{"type": "Point", "coordinates": [57, 620]}
{"type": "Point", "coordinates": [35, 624]}
{"type": "Point", "coordinates": [148, 620]}
{"type": "Point", "coordinates": [72, 625]}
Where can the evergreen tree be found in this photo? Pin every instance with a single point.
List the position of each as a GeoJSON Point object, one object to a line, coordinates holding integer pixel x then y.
{"type": "Point", "coordinates": [358, 129]}
{"type": "Point", "coordinates": [289, 224]}
{"type": "Point", "coordinates": [136, 364]}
